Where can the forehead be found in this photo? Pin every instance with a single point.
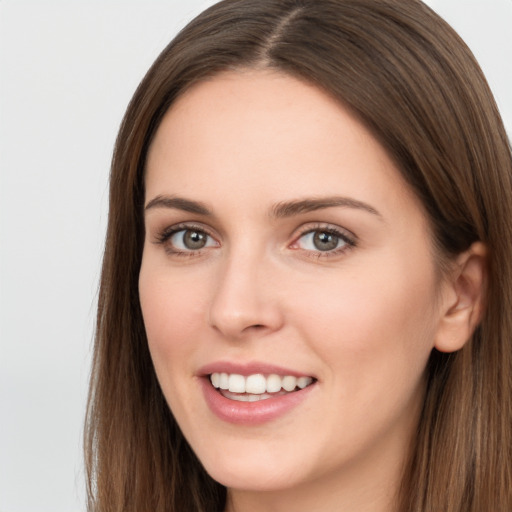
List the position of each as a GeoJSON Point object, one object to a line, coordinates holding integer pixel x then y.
{"type": "Point", "coordinates": [267, 135]}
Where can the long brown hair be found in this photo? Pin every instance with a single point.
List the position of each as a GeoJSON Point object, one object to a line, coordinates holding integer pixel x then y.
{"type": "Point", "coordinates": [418, 88]}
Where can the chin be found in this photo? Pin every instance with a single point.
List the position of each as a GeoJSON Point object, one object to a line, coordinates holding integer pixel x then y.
{"type": "Point", "coordinates": [254, 478]}
{"type": "Point", "coordinates": [254, 472]}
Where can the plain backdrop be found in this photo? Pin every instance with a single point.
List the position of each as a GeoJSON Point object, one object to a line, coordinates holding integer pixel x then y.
{"type": "Point", "coordinates": [67, 72]}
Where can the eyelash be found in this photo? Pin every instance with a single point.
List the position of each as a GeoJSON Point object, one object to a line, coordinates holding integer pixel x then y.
{"type": "Point", "coordinates": [347, 238]}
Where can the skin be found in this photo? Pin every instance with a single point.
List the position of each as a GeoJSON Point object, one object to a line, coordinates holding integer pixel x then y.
{"type": "Point", "coordinates": [362, 319]}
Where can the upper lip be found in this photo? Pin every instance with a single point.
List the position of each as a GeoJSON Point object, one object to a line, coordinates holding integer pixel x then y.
{"type": "Point", "coordinates": [249, 368]}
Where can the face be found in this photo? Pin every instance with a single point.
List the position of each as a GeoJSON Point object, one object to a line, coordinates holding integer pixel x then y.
{"type": "Point", "coordinates": [286, 260]}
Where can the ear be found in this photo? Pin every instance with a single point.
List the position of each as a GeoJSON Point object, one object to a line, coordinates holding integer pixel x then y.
{"type": "Point", "coordinates": [463, 299]}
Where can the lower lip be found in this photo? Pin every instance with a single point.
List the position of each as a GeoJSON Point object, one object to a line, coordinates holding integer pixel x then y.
{"type": "Point", "coordinates": [251, 413]}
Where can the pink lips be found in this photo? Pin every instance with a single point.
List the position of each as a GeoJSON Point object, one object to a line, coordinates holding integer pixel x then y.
{"type": "Point", "coordinates": [249, 413]}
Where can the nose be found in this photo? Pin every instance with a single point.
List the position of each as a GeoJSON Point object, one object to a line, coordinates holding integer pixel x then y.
{"type": "Point", "coordinates": [246, 299]}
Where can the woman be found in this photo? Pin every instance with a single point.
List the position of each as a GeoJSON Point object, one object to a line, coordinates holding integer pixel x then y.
{"type": "Point", "coordinates": [305, 299]}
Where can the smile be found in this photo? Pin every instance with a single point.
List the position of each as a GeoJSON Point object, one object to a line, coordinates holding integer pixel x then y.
{"type": "Point", "coordinates": [256, 387]}
{"type": "Point", "coordinates": [254, 393]}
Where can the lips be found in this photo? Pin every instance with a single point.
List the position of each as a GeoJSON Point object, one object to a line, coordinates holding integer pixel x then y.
{"type": "Point", "coordinates": [254, 393]}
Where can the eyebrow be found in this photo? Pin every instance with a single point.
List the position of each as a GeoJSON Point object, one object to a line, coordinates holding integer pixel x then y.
{"type": "Point", "coordinates": [290, 208]}
{"type": "Point", "coordinates": [279, 210]}
{"type": "Point", "coordinates": [178, 203]}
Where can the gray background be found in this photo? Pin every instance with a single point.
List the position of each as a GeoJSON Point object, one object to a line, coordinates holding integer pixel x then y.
{"type": "Point", "coordinates": [67, 72]}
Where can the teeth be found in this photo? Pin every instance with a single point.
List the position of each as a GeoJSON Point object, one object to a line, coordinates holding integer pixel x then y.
{"type": "Point", "coordinates": [223, 380]}
{"type": "Point", "coordinates": [302, 382]}
{"type": "Point", "coordinates": [274, 383]}
{"type": "Point", "coordinates": [257, 384]}
{"type": "Point", "coordinates": [289, 383]}
{"type": "Point", "coordinates": [215, 378]}
{"type": "Point", "coordinates": [236, 383]}
{"type": "Point", "coordinates": [246, 397]}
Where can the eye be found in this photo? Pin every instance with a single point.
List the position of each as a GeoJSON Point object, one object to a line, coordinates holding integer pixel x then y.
{"type": "Point", "coordinates": [185, 240]}
{"type": "Point", "coordinates": [323, 240]}
{"type": "Point", "coordinates": [191, 240]}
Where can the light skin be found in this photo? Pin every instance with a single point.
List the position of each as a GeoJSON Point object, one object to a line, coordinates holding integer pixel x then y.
{"type": "Point", "coordinates": [254, 164]}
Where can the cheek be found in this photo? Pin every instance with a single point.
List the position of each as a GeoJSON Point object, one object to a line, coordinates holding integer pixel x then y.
{"type": "Point", "coordinates": [373, 327]}
{"type": "Point", "coordinates": [173, 313]}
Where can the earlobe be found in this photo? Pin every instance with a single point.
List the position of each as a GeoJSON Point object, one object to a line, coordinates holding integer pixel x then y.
{"type": "Point", "coordinates": [464, 302]}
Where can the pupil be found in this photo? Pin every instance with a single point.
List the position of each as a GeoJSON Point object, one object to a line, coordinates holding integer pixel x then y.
{"type": "Point", "coordinates": [194, 240]}
{"type": "Point", "coordinates": [325, 241]}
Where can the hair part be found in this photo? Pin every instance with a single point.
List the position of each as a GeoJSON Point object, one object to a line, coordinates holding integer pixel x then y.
{"type": "Point", "coordinates": [411, 80]}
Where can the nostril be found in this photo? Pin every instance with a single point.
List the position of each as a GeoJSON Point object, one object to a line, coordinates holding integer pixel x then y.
{"type": "Point", "coordinates": [254, 327]}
